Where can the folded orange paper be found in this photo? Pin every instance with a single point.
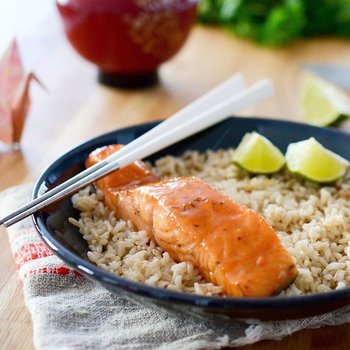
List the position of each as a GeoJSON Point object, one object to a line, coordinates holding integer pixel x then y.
{"type": "Point", "coordinates": [14, 95]}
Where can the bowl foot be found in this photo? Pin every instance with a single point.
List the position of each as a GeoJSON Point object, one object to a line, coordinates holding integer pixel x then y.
{"type": "Point", "coordinates": [128, 81]}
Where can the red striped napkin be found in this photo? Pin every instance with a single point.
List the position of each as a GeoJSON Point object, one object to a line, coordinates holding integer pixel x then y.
{"type": "Point", "coordinates": [71, 312]}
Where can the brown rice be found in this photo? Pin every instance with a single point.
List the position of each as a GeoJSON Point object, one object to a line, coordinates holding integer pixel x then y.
{"type": "Point", "coordinates": [312, 221]}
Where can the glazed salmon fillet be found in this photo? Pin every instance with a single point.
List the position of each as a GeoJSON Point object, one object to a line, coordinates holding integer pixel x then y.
{"type": "Point", "coordinates": [129, 176]}
{"type": "Point", "coordinates": [231, 245]}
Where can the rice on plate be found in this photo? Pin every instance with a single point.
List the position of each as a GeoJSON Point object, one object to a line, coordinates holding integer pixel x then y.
{"type": "Point", "coordinates": [311, 220]}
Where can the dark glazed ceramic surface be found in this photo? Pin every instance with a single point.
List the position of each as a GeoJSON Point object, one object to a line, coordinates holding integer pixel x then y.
{"type": "Point", "coordinates": [67, 243]}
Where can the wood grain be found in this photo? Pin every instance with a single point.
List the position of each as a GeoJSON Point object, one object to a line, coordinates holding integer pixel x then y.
{"type": "Point", "coordinates": [76, 108]}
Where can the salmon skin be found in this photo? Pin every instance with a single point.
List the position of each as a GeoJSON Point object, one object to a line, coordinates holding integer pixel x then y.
{"type": "Point", "coordinates": [231, 245]}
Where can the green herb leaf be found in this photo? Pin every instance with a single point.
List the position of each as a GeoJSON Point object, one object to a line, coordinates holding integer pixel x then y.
{"type": "Point", "coordinates": [277, 22]}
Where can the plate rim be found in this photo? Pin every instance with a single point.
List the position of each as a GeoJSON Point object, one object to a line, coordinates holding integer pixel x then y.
{"type": "Point", "coordinates": [100, 275]}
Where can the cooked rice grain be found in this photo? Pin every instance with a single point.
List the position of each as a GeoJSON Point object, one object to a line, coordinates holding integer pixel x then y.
{"type": "Point", "coordinates": [116, 247]}
{"type": "Point", "coordinates": [312, 221]}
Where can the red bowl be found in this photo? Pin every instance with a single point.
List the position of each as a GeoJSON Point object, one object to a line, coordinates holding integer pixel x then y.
{"type": "Point", "coordinates": [127, 39]}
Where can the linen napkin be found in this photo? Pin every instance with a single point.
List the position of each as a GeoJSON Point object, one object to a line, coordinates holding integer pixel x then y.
{"type": "Point", "coordinates": [71, 312]}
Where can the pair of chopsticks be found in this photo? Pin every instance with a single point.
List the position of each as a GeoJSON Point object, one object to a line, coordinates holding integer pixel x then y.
{"type": "Point", "coordinates": [227, 98]}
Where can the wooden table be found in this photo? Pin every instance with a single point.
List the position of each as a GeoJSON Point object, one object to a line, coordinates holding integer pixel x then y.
{"type": "Point", "coordinates": [76, 108]}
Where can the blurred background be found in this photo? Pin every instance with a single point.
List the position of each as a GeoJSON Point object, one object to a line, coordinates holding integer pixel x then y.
{"type": "Point", "coordinates": [20, 18]}
{"type": "Point", "coordinates": [271, 38]}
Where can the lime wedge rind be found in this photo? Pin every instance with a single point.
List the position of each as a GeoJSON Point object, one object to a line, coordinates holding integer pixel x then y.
{"type": "Point", "coordinates": [257, 155]}
{"type": "Point", "coordinates": [309, 159]}
{"type": "Point", "coordinates": [322, 104]}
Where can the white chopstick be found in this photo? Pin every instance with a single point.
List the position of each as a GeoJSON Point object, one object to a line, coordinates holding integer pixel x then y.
{"type": "Point", "coordinates": [159, 141]}
{"type": "Point", "coordinates": [227, 89]}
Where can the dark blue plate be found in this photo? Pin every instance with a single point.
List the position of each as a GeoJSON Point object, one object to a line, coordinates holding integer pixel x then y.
{"type": "Point", "coordinates": [66, 242]}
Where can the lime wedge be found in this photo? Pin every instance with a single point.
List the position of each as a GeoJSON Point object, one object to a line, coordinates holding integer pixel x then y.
{"type": "Point", "coordinates": [322, 104]}
{"type": "Point", "coordinates": [311, 160]}
{"type": "Point", "coordinates": [258, 155]}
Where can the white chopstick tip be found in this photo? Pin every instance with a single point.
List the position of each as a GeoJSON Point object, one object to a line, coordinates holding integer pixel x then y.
{"type": "Point", "coordinates": [266, 87]}
{"type": "Point", "coordinates": [257, 92]}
